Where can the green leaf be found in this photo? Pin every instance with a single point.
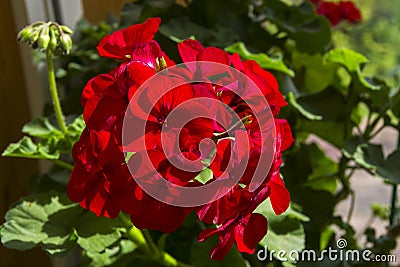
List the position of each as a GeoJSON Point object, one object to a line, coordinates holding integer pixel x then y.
{"type": "Point", "coordinates": [380, 211]}
{"type": "Point", "coordinates": [359, 113]}
{"type": "Point", "coordinates": [366, 155]}
{"type": "Point", "coordinates": [390, 169]}
{"type": "Point", "coordinates": [76, 127]}
{"type": "Point", "coordinates": [26, 148]}
{"type": "Point", "coordinates": [370, 157]}
{"type": "Point", "coordinates": [111, 255]}
{"type": "Point", "coordinates": [353, 62]}
{"type": "Point", "coordinates": [94, 233]}
{"type": "Point", "coordinates": [311, 32]}
{"type": "Point", "coordinates": [55, 223]}
{"type": "Point", "coordinates": [313, 74]}
{"type": "Point", "coordinates": [42, 128]}
{"type": "Point", "coordinates": [324, 170]}
{"type": "Point", "coordinates": [265, 61]}
{"type": "Point", "coordinates": [330, 104]}
{"type": "Point", "coordinates": [179, 29]}
{"type": "Point", "coordinates": [204, 176]}
{"type": "Point", "coordinates": [52, 141]}
{"type": "Point", "coordinates": [200, 255]}
{"type": "Point", "coordinates": [326, 236]}
{"type": "Point", "coordinates": [292, 101]}
{"type": "Point", "coordinates": [285, 232]}
{"type": "Point", "coordinates": [349, 59]}
{"type": "Point", "coordinates": [42, 219]}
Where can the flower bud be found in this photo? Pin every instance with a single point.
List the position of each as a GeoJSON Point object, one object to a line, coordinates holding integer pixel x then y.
{"type": "Point", "coordinates": [44, 38]}
{"type": "Point", "coordinates": [66, 30]}
{"type": "Point", "coordinates": [53, 40]}
{"type": "Point", "coordinates": [66, 42]}
{"type": "Point", "coordinates": [25, 34]}
{"type": "Point", "coordinates": [33, 41]}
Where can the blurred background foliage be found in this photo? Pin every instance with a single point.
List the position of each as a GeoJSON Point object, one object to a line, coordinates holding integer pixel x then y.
{"type": "Point", "coordinates": [378, 37]}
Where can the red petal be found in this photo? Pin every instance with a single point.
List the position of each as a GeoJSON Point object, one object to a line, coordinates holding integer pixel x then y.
{"type": "Point", "coordinates": [141, 33]}
{"type": "Point", "coordinates": [122, 42]}
{"type": "Point", "coordinates": [280, 197]}
{"type": "Point", "coordinates": [284, 133]}
{"type": "Point", "coordinates": [214, 54]}
{"type": "Point", "coordinates": [250, 231]}
{"type": "Point", "coordinates": [189, 49]}
{"type": "Point", "coordinates": [226, 240]}
{"type": "Point", "coordinates": [159, 216]}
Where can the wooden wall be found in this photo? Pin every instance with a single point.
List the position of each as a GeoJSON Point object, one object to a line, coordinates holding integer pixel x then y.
{"type": "Point", "coordinates": [96, 11]}
{"type": "Point", "coordinates": [14, 110]}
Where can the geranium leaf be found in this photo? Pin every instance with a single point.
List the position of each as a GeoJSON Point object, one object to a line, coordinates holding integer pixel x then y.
{"type": "Point", "coordinates": [94, 233]}
{"type": "Point", "coordinates": [292, 101]}
{"type": "Point", "coordinates": [324, 170]}
{"type": "Point", "coordinates": [353, 62]}
{"type": "Point", "coordinates": [314, 74]}
{"type": "Point", "coordinates": [110, 256]}
{"type": "Point", "coordinates": [285, 232]}
{"type": "Point", "coordinates": [330, 105]}
{"type": "Point", "coordinates": [265, 61]}
{"type": "Point", "coordinates": [40, 220]}
{"type": "Point", "coordinates": [311, 32]}
{"type": "Point", "coordinates": [370, 157]}
{"type": "Point", "coordinates": [180, 29]}
{"type": "Point", "coordinates": [26, 148]}
{"type": "Point", "coordinates": [54, 222]}
{"type": "Point", "coordinates": [75, 128]}
{"type": "Point", "coordinates": [42, 128]}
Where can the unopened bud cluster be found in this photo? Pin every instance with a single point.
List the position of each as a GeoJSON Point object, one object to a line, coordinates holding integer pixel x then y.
{"type": "Point", "coordinates": [47, 35]}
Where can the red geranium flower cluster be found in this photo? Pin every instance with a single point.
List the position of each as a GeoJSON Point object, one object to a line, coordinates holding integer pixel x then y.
{"type": "Point", "coordinates": [104, 179]}
{"type": "Point", "coordinates": [336, 12]}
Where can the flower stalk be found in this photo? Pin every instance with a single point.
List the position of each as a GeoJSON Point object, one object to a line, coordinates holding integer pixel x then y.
{"type": "Point", "coordinates": [53, 91]}
{"type": "Point", "coordinates": [146, 244]}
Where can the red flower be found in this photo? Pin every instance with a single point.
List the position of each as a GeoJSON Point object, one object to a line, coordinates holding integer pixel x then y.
{"type": "Point", "coordinates": [233, 213]}
{"type": "Point", "coordinates": [192, 50]}
{"type": "Point", "coordinates": [163, 217]}
{"type": "Point", "coordinates": [349, 11]}
{"type": "Point", "coordinates": [336, 12]}
{"type": "Point", "coordinates": [167, 147]}
{"type": "Point", "coordinates": [99, 179]}
{"type": "Point", "coordinates": [133, 43]}
{"type": "Point", "coordinates": [331, 11]}
{"type": "Point", "coordinates": [247, 231]}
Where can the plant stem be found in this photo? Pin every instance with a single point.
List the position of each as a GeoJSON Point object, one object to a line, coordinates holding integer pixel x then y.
{"type": "Point", "coordinates": [54, 93]}
{"type": "Point", "coordinates": [145, 243]}
{"type": "Point", "coordinates": [150, 243]}
{"type": "Point", "coordinates": [394, 196]}
{"type": "Point", "coordinates": [393, 205]}
{"type": "Point", "coordinates": [352, 204]}
{"type": "Point", "coordinates": [63, 164]}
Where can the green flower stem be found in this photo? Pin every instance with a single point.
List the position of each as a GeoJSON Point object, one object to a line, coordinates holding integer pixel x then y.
{"type": "Point", "coordinates": [133, 233]}
{"type": "Point", "coordinates": [145, 243]}
{"type": "Point", "coordinates": [152, 247]}
{"type": "Point", "coordinates": [53, 91]}
{"type": "Point", "coordinates": [393, 204]}
{"type": "Point", "coordinates": [63, 164]}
